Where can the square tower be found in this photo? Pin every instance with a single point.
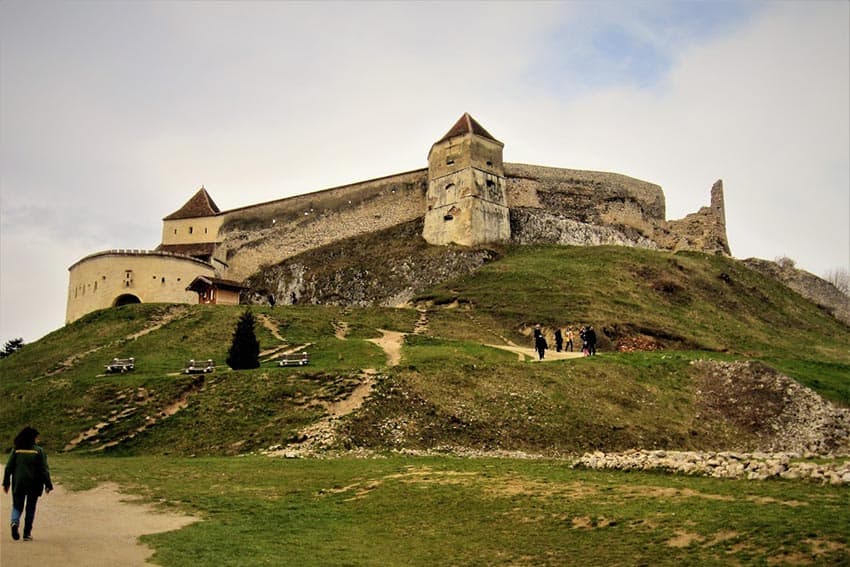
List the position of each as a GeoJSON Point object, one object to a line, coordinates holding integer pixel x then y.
{"type": "Point", "coordinates": [466, 188]}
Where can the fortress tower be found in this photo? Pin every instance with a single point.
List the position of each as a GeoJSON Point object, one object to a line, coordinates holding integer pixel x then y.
{"type": "Point", "coordinates": [466, 201]}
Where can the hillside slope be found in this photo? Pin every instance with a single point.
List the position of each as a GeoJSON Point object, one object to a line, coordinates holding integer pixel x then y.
{"type": "Point", "coordinates": [656, 313]}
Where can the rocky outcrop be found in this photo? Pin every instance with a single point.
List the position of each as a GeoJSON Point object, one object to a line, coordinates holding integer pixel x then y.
{"type": "Point", "coordinates": [817, 290]}
{"type": "Point", "coordinates": [384, 268]}
{"type": "Point", "coordinates": [537, 226]}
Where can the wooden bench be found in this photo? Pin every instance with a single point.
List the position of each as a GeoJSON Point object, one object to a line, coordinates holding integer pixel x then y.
{"type": "Point", "coordinates": [294, 359]}
{"type": "Point", "coordinates": [199, 367]}
{"type": "Point", "coordinates": [121, 365]}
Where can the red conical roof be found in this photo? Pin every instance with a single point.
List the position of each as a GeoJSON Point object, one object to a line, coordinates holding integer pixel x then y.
{"type": "Point", "coordinates": [467, 125]}
{"type": "Point", "coordinates": [200, 205]}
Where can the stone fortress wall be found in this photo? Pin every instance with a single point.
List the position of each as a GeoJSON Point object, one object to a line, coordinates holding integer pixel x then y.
{"type": "Point", "coordinates": [117, 277]}
{"type": "Point", "coordinates": [548, 205]}
{"type": "Point", "coordinates": [545, 204]}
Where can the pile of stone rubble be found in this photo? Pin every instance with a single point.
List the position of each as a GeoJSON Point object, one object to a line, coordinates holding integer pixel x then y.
{"type": "Point", "coordinates": [754, 466]}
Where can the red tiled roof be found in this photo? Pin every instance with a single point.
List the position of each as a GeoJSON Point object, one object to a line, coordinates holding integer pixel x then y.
{"type": "Point", "coordinates": [195, 250]}
{"type": "Point", "coordinates": [467, 125]}
{"type": "Point", "coordinates": [200, 205]}
{"type": "Point", "coordinates": [199, 282]}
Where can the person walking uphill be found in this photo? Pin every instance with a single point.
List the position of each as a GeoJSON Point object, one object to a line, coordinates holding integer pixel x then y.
{"type": "Point", "coordinates": [28, 474]}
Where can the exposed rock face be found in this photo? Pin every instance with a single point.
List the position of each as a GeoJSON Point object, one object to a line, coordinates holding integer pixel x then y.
{"type": "Point", "coordinates": [536, 226]}
{"type": "Point", "coordinates": [813, 288]}
{"type": "Point", "coordinates": [351, 272]}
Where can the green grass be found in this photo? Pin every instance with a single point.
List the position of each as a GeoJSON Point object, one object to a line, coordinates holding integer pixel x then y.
{"type": "Point", "coordinates": [449, 511]}
{"type": "Point", "coordinates": [450, 391]}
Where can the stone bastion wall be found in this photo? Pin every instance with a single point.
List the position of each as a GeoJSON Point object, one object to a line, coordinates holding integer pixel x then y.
{"type": "Point", "coordinates": [548, 205]}
{"type": "Point", "coordinates": [107, 278]}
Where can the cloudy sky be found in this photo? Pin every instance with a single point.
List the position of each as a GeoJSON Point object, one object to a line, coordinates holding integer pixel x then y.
{"type": "Point", "coordinates": [112, 114]}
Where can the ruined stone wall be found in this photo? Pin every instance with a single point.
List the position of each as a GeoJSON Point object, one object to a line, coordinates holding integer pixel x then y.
{"type": "Point", "coordinates": [703, 231]}
{"type": "Point", "coordinates": [590, 197]}
{"type": "Point", "coordinates": [267, 233]}
{"type": "Point", "coordinates": [547, 204]}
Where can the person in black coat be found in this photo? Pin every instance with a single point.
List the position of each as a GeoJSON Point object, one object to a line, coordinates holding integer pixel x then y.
{"type": "Point", "coordinates": [28, 475]}
{"type": "Point", "coordinates": [540, 344]}
{"type": "Point", "coordinates": [591, 340]}
{"type": "Point", "coordinates": [559, 340]}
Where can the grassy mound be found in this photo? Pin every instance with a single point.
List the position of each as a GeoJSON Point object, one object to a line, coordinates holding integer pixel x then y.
{"type": "Point", "coordinates": [450, 389]}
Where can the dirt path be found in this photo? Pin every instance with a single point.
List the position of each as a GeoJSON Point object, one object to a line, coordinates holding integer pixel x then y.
{"type": "Point", "coordinates": [95, 528]}
{"type": "Point", "coordinates": [391, 342]}
{"type": "Point", "coordinates": [523, 353]}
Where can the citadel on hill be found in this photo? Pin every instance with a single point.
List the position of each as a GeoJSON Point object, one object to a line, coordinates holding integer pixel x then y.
{"type": "Point", "coordinates": [467, 196]}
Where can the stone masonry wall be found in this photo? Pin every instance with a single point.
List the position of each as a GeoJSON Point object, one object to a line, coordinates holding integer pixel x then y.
{"type": "Point", "coordinates": [267, 233]}
{"type": "Point", "coordinates": [547, 205]}
{"type": "Point", "coordinates": [704, 230]}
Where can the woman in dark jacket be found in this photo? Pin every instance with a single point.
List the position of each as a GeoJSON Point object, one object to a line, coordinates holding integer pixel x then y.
{"type": "Point", "coordinates": [28, 474]}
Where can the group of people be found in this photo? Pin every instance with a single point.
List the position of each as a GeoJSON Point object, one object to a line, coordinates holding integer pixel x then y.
{"type": "Point", "coordinates": [586, 334]}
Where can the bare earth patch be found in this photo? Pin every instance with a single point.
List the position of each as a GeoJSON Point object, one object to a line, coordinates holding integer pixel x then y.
{"type": "Point", "coordinates": [96, 528]}
{"type": "Point", "coordinates": [684, 539]}
{"type": "Point", "coordinates": [391, 342]}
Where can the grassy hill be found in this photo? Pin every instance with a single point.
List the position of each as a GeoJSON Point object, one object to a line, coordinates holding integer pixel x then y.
{"type": "Point", "coordinates": [450, 389]}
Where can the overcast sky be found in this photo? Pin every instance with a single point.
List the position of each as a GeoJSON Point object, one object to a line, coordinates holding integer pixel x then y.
{"type": "Point", "coordinates": [112, 114]}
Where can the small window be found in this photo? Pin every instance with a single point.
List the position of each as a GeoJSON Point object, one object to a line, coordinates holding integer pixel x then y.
{"type": "Point", "coordinates": [490, 163]}
{"type": "Point", "coordinates": [205, 230]}
{"type": "Point", "coordinates": [190, 230]}
{"type": "Point", "coordinates": [450, 161]}
{"type": "Point", "coordinates": [450, 186]}
{"type": "Point", "coordinates": [491, 183]}
{"type": "Point", "coordinates": [448, 217]}
{"type": "Point", "coordinates": [175, 231]}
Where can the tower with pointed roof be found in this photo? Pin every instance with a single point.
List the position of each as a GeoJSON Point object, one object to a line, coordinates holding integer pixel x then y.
{"type": "Point", "coordinates": [192, 230]}
{"type": "Point", "coordinates": [466, 202]}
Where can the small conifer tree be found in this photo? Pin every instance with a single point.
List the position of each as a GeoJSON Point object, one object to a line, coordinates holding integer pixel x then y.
{"type": "Point", "coordinates": [244, 352]}
{"type": "Point", "coordinates": [11, 347]}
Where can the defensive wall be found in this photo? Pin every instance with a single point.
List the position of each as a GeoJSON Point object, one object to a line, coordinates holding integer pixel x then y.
{"type": "Point", "coordinates": [264, 234]}
{"type": "Point", "coordinates": [548, 205]}
{"type": "Point", "coordinates": [117, 277]}
{"type": "Point", "coordinates": [466, 196]}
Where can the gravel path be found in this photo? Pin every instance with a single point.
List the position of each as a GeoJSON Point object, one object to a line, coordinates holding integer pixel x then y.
{"type": "Point", "coordinates": [95, 528]}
